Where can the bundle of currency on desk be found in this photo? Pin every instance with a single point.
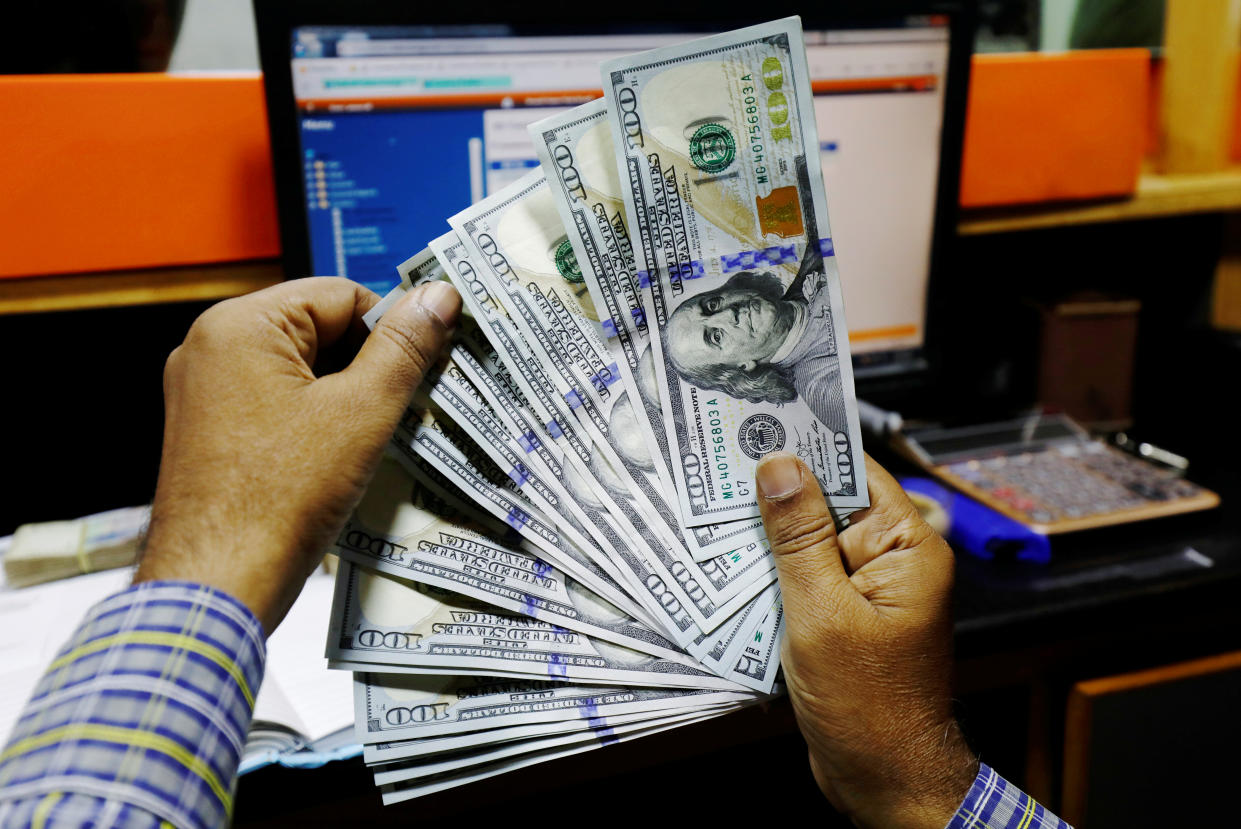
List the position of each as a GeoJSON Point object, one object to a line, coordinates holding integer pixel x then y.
{"type": "Point", "coordinates": [564, 549]}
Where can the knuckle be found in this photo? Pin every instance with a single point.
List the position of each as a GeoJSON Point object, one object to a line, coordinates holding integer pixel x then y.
{"type": "Point", "coordinates": [210, 329]}
{"type": "Point", "coordinates": [938, 562]}
{"type": "Point", "coordinates": [174, 367]}
{"type": "Point", "coordinates": [899, 531]}
{"type": "Point", "coordinates": [418, 342]}
{"type": "Point", "coordinates": [799, 531]}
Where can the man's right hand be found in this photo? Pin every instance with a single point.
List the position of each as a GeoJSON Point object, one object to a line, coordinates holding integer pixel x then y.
{"type": "Point", "coordinates": [867, 650]}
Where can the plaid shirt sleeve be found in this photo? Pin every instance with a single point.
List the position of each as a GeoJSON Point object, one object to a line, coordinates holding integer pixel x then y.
{"type": "Point", "coordinates": [994, 803]}
{"type": "Point", "coordinates": [141, 718]}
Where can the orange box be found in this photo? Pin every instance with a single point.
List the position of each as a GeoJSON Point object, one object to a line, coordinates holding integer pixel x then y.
{"type": "Point", "coordinates": [1051, 127]}
{"type": "Point", "coordinates": [105, 172]}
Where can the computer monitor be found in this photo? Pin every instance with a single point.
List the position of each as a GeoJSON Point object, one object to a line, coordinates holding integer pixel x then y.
{"type": "Point", "coordinates": [386, 120]}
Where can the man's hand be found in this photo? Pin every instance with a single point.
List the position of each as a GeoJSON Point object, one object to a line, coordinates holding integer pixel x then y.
{"type": "Point", "coordinates": [264, 459]}
{"type": "Point", "coordinates": [867, 650]}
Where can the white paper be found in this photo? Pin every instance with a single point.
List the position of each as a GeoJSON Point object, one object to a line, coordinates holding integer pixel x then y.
{"type": "Point", "coordinates": [304, 694]}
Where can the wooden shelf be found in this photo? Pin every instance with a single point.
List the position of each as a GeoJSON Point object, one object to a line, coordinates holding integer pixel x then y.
{"type": "Point", "coordinates": [192, 283]}
{"type": "Point", "coordinates": [1157, 195]}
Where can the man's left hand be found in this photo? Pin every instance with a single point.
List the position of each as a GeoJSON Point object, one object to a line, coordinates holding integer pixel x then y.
{"type": "Point", "coordinates": [266, 454]}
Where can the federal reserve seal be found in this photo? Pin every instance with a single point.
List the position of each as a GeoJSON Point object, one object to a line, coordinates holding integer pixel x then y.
{"type": "Point", "coordinates": [566, 263]}
{"type": "Point", "coordinates": [759, 435]}
{"type": "Point", "coordinates": [712, 148]}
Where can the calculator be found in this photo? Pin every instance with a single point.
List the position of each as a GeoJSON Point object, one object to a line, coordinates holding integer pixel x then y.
{"type": "Point", "coordinates": [1047, 472]}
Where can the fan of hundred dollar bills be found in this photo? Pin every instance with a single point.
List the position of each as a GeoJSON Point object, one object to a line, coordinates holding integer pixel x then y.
{"type": "Point", "coordinates": [563, 550]}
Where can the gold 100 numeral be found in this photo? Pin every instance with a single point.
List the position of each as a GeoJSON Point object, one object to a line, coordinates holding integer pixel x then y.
{"type": "Point", "coordinates": [777, 103]}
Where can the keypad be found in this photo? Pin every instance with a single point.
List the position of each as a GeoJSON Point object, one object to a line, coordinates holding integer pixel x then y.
{"type": "Point", "coordinates": [1072, 481]}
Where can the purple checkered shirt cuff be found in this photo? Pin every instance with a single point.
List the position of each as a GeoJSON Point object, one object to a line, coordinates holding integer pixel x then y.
{"type": "Point", "coordinates": [141, 718]}
{"type": "Point", "coordinates": [994, 803]}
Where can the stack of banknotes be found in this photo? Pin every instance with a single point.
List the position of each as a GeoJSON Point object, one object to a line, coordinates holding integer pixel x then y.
{"type": "Point", "coordinates": [59, 549]}
{"type": "Point", "coordinates": [564, 550]}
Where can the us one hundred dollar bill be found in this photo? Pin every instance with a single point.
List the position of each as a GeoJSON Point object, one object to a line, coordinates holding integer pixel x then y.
{"type": "Point", "coordinates": [476, 423]}
{"type": "Point", "coordinates": [718, 151]}
{"type": "Point", "coordinates": [423, 746]}
{"type": "Point", "coordinates": [399, 792]}
{"type": "Point", "coordinates": [403, 772]}
{"type": "Point", "coordinates": [569, 539]}
{"type": "Point", "coordinates": [511, 235]}
{"type": "Point", "coordinates": [389, 494]}
{"type": "Point", "coordinates": [575, 152]}
{"type": "Point", "coordinates": [378, 619]}
{"type": "Point", "coordinates": [428, 442]}
{"type": "Point", "coordinates": [417, 269]}
{"type": "Point", "coordinates": [396, 707]}
{"type": "Point", "coordinates": [418, 545]}
{"type": "Point", "coordinates": [757, 661]}
{"type": "Point", "coordinates": [653, 586]}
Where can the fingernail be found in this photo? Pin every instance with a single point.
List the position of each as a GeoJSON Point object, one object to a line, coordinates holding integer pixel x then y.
{"type": "Point", "coordinates": [441, 299]}
{"type": "Point", "coordinates": [779, 476]}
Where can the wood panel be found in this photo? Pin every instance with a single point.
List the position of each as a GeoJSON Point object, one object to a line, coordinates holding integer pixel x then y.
{"type": "Point", "coordinates": [1080, 739]}
{"type": "Point", "coordinates": [1202, 39]}
{"type": "Point", "coordinates": [145, 287]}
{"type": "Point", "coordinates": [1226, 295]}
{"type": "Point", "coordinates": [1157, 196]}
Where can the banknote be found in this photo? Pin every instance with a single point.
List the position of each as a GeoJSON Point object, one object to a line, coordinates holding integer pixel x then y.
{"type": "Point", "coordinates": [452, 390]}
{"type": "Point", "coordinates": [586, 499]}
{"type": "Point", "coordinates": [719, 653]}
{"type": "Point", "coordinates": [402, 772]}
{"type": "Point", "coordinates": [418, 545]}
{"type": "Point", "coordinates": [718, 151]}
{"type": "Point", "coordinates": [542, 387]}
{"type": "Point", "coordinates": [511, 235]}
{"type": "Point", "coordinates": [575, 152]}
{"type": "Point", "coordinates": [759, 657]}
{"type": "Point", "coordinates": [446, 484]}
{"type": "Point", "coordinates": [380, 619]}
{"type": "Point", "coordinates": [373, 753]}
{"type": "Point", "coordinates": [417, 269]}
{"type": "Point", "coordinates": [399, 792]}
{"type": "Point", "coordinates": [358, 666]}
{"type": "Point", "coordinates": [434, 448]}
{"type": "Point", "coordinates": [656, 588]}
{"type": "Point", "coordinates": [463, 271]}
{"type": "Point", "coordinates": [529, 267]}
{"type": "Point", "coordinates": [399, 707]}
{"type": "Point", "coordinates": [435, 459]}
{"type": "Point", "coordinates": [572, 538]}
{"type": "Point", "coordinates": [431, 448]}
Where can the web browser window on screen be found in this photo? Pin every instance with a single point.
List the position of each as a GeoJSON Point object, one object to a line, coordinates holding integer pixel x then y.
{"type": "Point", "coordinates": [401, 127]}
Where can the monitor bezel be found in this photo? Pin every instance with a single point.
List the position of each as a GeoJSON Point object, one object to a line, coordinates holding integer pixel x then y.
{"type": "Point", "coordinates": [277, 19]}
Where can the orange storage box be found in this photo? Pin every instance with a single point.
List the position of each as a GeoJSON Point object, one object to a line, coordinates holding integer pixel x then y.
{"type": "Point", "coordinates": [104, 172]}
{"type": "Point", "coordinates": [1052, 127]}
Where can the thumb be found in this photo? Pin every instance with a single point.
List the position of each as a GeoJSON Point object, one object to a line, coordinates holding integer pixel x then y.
{"type": "Point", "coordinates": [802, 538]}
{"type": "Point", "coordinates": [407, 340]}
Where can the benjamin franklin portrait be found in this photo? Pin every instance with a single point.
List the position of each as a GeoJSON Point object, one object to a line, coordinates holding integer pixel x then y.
{"type": "Point", "coordinates": [754, 340]}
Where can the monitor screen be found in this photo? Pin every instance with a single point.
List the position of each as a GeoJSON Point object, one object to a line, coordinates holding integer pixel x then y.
{"type": "Point", "coordinates": [400, 127]}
